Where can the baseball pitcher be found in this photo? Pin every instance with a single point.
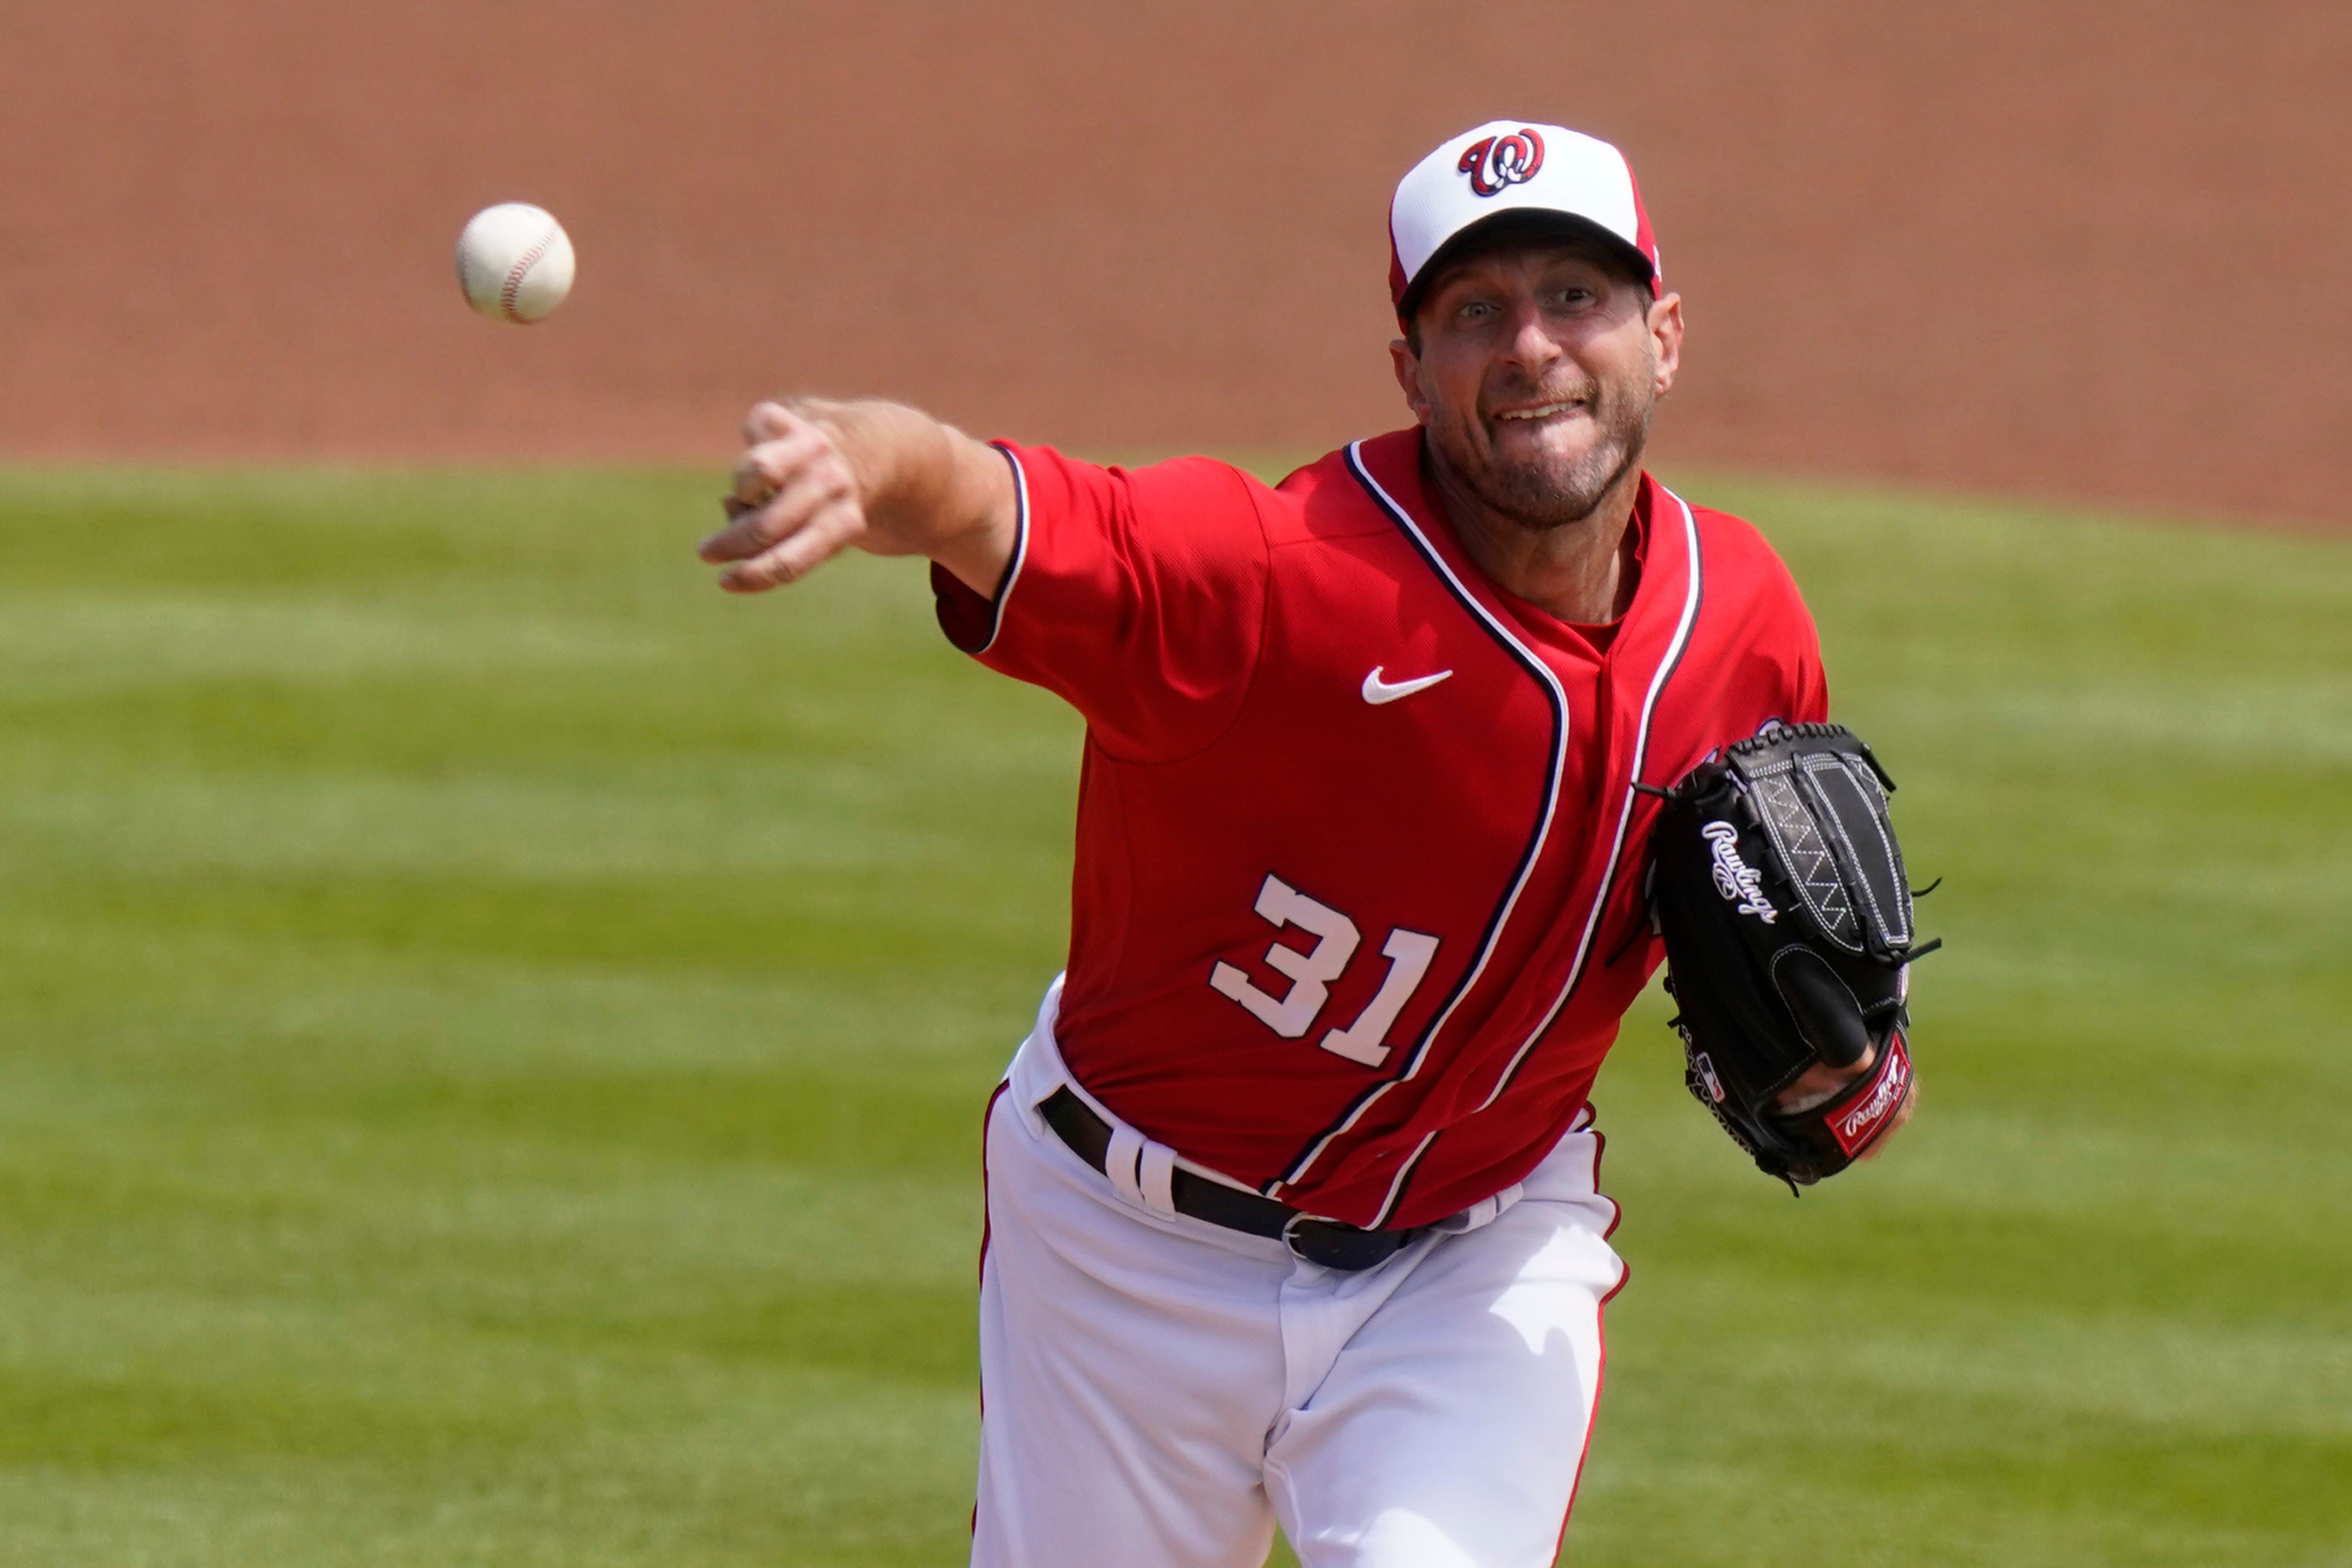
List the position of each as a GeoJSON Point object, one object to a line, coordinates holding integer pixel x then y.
{"type": "Point", "coordinates": [1400, 778]}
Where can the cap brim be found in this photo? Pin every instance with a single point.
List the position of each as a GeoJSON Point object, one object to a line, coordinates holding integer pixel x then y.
{"type": "Point", "coordinates": [1532, 224]}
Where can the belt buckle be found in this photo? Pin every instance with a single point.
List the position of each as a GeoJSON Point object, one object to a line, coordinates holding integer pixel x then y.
{"type": "Point", "coordinates": [1331, 1248]}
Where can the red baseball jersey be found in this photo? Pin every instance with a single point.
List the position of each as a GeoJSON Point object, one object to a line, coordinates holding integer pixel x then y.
{"type": "Point", "coordinates": [1355, 909]}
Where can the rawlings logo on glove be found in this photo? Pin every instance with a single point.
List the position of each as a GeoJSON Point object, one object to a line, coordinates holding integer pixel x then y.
{"type": "Point", "coordinates": [1737, 881]}
{"type": "Point", "coordinates": [1779, 887]}
{"type": "Point", "coordinates": [1855, 1130]}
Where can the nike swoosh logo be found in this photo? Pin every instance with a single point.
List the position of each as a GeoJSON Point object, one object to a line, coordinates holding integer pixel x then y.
{"type": "Point", "coordinates": [1378, 691]}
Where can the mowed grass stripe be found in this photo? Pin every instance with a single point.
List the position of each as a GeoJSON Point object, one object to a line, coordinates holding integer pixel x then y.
{"type": "Point", "coordinates": [495, 1036]}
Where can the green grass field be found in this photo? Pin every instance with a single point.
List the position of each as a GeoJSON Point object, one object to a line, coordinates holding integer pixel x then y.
{"type": "Point", "coordinates": [494, 1036]}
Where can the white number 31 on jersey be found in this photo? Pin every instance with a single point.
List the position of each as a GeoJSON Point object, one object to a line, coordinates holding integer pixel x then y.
{"type": "Point", "coordinates": [1291, 1015]}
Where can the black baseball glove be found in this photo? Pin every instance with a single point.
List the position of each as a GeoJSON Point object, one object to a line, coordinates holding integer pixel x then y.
{"type": "Point", "coordinates": [1779, 887]}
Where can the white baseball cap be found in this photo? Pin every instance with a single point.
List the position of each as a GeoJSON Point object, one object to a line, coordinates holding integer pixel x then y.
{"type": "Point", "coordinates": [1508, 166]}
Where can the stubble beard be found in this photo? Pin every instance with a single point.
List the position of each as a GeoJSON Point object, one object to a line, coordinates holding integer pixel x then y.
{"type": "Point", "coordinates": [1542, 493]}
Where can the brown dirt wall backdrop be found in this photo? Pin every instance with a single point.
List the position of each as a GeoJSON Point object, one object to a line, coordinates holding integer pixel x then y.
{"type": "Point", "coordinates": [2075, 249]}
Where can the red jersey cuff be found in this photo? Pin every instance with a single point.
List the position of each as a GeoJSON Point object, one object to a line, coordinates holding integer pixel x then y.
{"type": "Point", "coordinates": [969, 619]}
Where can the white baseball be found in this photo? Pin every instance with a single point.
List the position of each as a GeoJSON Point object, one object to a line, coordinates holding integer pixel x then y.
{"type": "Point", "coordinates": [514, 262]}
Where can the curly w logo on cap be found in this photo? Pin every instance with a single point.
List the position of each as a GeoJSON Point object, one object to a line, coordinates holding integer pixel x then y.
{"type": "Point", "coordinates": [1500, 161]}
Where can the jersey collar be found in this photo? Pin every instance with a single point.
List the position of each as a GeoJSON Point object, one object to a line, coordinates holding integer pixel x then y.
{"type": "Point", "coordinates": [1397, 460]}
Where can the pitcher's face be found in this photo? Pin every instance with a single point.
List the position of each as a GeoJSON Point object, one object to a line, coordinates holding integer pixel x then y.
{"type": "Point", "coordinates": [1535, 370]}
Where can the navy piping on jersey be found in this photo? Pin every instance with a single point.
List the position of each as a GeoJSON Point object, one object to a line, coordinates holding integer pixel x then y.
{"type": "Point", "coordinates": [1625, 814]}
{"type": "Point", "coordinates": [1666, 668]}
{"type": "Point", "coordinates": [1502, 914]}
{"type": "Point", "coordinates": [1020, 550]}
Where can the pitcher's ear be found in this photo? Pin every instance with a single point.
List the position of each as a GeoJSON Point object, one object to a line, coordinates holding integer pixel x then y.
{"type": "Point", "coordinates": [1665, 322]}
{"type": "Point", "coordinates": [1407, 365]}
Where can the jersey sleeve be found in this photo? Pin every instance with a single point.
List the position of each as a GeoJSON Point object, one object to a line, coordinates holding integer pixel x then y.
{"type": "Point", "coordinates": [1787, 651]}
{"type": "Point", "coordinates": [1139, 596]}
{"type": "Point", "coordinates": [1809, 702]}
{"type": "Point", "coordinates": [1773, 652]}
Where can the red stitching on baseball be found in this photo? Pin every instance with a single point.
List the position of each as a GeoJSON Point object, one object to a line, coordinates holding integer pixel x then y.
{"type": "Point", "coordinates": [516, 274]}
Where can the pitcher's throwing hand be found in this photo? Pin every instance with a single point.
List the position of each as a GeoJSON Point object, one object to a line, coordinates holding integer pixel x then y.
{"type": "Point", "coordinates": [798, 499]}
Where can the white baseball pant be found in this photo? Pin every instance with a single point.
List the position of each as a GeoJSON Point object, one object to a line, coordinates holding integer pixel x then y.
{"type": "Point", "coordinates": [1157, 1391]}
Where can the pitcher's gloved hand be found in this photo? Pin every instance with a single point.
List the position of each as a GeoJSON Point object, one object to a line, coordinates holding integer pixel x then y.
{"type": "Point", "coordinates": [1777, 883]}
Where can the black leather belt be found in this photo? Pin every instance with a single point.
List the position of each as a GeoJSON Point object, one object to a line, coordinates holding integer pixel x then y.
{"type": "Point", "coordinates": [1324, 1241]}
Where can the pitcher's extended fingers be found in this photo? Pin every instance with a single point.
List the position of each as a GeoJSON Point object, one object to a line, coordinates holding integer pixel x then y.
{"type": "Point", "coordinates": [767, 421]}
{"type": "Point", "coordinates": [833, 528]}
{"type": "Point", "coordinates": [755, 528]}
{"type": "Point", "coordinates": [763, 468]}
